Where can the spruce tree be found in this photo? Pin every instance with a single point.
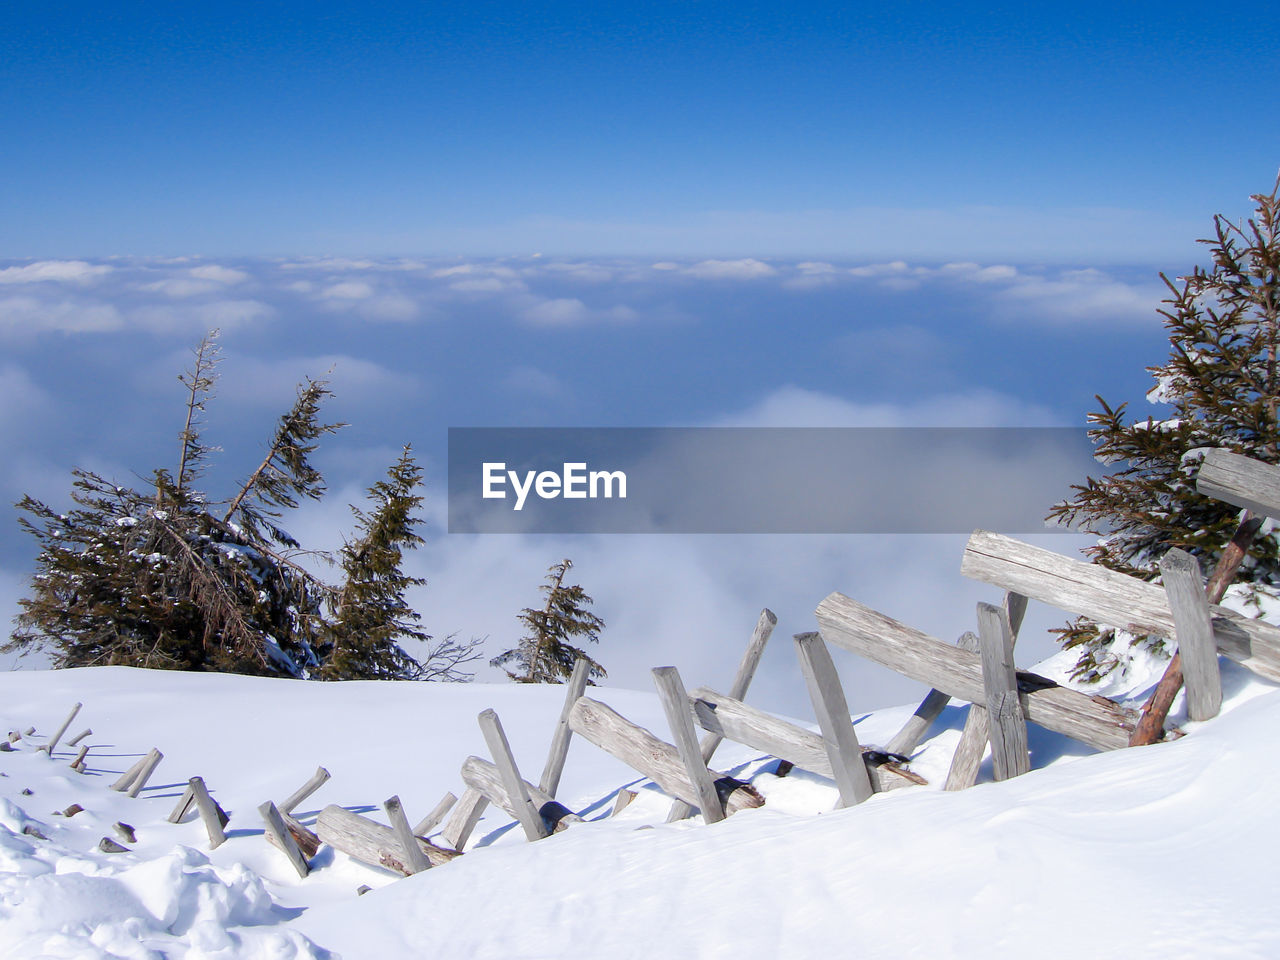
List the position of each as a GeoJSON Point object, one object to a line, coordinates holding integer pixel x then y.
{"type": "Point", "coordinates": [1222, 387]}
{"type": "Point", "coordinates": [546, 654]}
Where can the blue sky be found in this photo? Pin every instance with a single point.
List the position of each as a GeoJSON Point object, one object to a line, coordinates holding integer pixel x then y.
{"type": "Point", "coordinates": [660, 215]}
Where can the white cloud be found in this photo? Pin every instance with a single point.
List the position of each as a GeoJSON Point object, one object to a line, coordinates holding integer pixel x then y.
{"type": "Point", "coordinates": [201, 317]}
{"type": "Point", "coordinates": [348, 290]}
{"type": "Point", "coordinates": [219, 274]}
{"type": "Point", "coordinates": [60, 271]}
{"type": "Point", "coordinates": [793, 406]}
{"type": "Point", "coordinates": [744, 269]}
{"type": "Point", "coordinates": [25, 315]}
{"type": "Point", "coordinates": [560, 312]}
{"type": "Point", "coordinates": [252, 381]}
{"type": "Point", "coordinates": [1078, 296]}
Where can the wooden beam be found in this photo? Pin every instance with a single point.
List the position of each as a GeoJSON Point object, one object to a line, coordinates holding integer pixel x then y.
{"type": "Point", "coordinates": [550, 780]}
{"type": "Point", "coordinates": [214, 817]}
{"type": "Point", "coordinates": [734, 720]}
{"type": "Point", "coordinates": [371, 842]}
{"type": "Point", "coordinates": [485, 777]}
{"type": "Point", "coordinates": [1008, 726]}
{"type": "Point", "coordinates": [415, 860]}
{"type": "Point", "coordinates": [657, 760]}
{"type": "Point", "coordinates": [1241, 481]}
{"type": "Point", "coordinates": [86, 732]}
{"type": "Point", "coordinates": [529, 818]}
{"type": "Point", "coordinates": [317, 780]}
{"type": "Point", "coordinates": [1111, 598]}
{"type": "Point", "coordinates": [832, 710]}
{"type": "Point", "coordinates": [918, 724]}
{"type": "Point", "coordinates": [282, 838]}
{"type": "Point", "coordinates": [466, 814]}
{"type": "Point", "coordinates": [675, 702]}
{"type": "Point", "coordinates": [868, 633]}
{"type": "Point", "coordinates": [1184, 587]}
{"type": "Point", "coordinates": [131, 774]}
{"type": "Point", "coordinates": [737, 690]}
{"type": "Point", "coordinates": [428, 823]}
{"type": "Point", "coordinates": [145, 768]}
{"type": "Point", "coordinates": [53, 741]}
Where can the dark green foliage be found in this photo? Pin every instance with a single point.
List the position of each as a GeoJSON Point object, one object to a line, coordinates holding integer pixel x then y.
{"type": "Point", "coordinates": [1222, 385]}
{"type": "Point", "coordinates": [165, 578]}
{"type": "Point", "coordinates": [545, 654]}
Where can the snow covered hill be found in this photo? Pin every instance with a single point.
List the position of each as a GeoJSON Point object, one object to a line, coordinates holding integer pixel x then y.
{"type": "Point", "coordinates": [1164, 851]}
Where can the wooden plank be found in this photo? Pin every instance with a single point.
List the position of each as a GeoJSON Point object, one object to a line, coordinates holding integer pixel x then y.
{"type": "Point", "coordinates": [1093, 720]}
{"type": "Point", "coordinates": [485, 777]}
{"type": "Point", "coordinates": [1000, 680]}
{"type": "Point", "coordinates": [371, 842]}
{"type": "Point", "coordinates": [675, 702]}
{"type": "Point", "coordinates": [1240, 480]}
{"type": "Point", "coordinates": [414, 859]}
{"type": "Point", "coordinates": [53, 742]}
{"type": "Point", "coordinates": [282, 838]}
{"type": "Point", "coordinates": [466, 814]}
{"type": "Point", "coordinates": [737, 690]}
{"type": "Point", "coordinates": [913, 731]}
{"type": "Point", "coordinates": [211, 813]}
{"type": "Point", "coordinates": [150, 762]}
{"type": "Point", "coordinates": [550, 780]}
{"type": "Point", "coordinates": [317, 780]}
{"type": "Point", "coordinates": [659, 761]}
{"type": "Point", "coordinates": [838, 736]}
{"type": "Point", "coordinates": [522, 808]}
{"type": "Point", "coordinates": [1111, 598]}
{"type": "Point", "coordinates": [428, 823]}
{"type": "Point", "coordinates": [734, 720]}
{"type": "Point", "coordinates": [1184, 587]}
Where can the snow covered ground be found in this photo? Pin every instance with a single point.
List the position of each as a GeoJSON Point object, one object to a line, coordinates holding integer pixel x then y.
{"type": "Point", "coordinates": [1165, 851]}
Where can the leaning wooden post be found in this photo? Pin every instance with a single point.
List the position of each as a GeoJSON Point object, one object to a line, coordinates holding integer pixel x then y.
{"type": "Point", "coordinates": [832, 710]}
{"type": "Point", "coordinates": [317, 780]}
{"type": "Point", "coordinates": [415, 860]}
{"type": "Point", "coordinates": [1009, 752]}
{"type": "Point", "coordinates": [1193, 629]}
{"type": "Point", "coordinates": [550, 781]}
{"type": "Point", "coordinates": [53, 742]}
{"type": "Point", "coordinates": [86, 732]}
{"type": "Point", "coordinates": [78, 764]}
{"type": "Point", "coordinates": [918, 724]}
{"type": "Point", "coordinates": [675, 701]}
{"type": "Point", "coordinates": [214, 817]}
{"type": "Point", "coordinates": [428, 823]}
{"type": "Point", "coordinates": [530, 819]}
{"type": "Point", "coordinates": [283, 838]}
{"type": "Point", "coordinates": [144, 774]}
{"type": "Point", "coordinates": [466, 814]}
{"type": "Point", "coordinates": [738, 691]}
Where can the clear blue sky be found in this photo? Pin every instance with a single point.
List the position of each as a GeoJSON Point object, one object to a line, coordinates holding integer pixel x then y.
{"type": "Point", "coordinates": [685, 128]}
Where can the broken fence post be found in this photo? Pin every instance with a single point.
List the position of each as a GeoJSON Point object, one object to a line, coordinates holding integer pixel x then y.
{"type": "Point", "coordinates": [307, 789]}
{"type": "Point", "coordinates": [428, 823]}
{"type": "Point", "coordinates": [675, 701]}
{"type": "Point", "coordinates": [415, 860]}
{"type": "Point", "coordinates": [1010, 757]}
{"type": "Point", "coordinates": [550, 781]}
{"type": "Point", "coordinates": [1193, 627]}
{"type": "Point", "coordinates": [86, 732]}
{"type": "Point", "coordinates": [738, 691]}
{"type": "Point", "coordinates": [282, 838]}
{"type": "Point", "coordinates": [211, 812]}
{"type": "Point", "coordinates": [144, 774]}
{"type": "Point", "coordinates": [53, 742]}
{"type": "Point", "coordinates": [466, 814]}
{"type": "Point", "coordinates": [529, 818]}
{"type": "Point", "coordinates": [78, 764]}
{"type": "Point", "coordinates": [832, 711]}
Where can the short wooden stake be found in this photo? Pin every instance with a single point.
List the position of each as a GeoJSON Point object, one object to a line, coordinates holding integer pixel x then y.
{"type": "Point", "coordinates": [130, 775]}
{"type": "Point", "coordinates": [550, 781]}
{"type": "Point", "coordinates": [500, 749]}
{"type": "Point", "coordinates": [415, 860]}
{"type": "Point", "coordinates": [86, 732]}
{"type": "Point", "coordinates": [214, 817]}
{"type": "Point", "coordinates": [428, 823]}
{"type": "Point", "coordinates": [49, 747]}
{"type": "Point", "coordinates": [152, 761]}
{"type": "Point", "coordinates": [832, 711]}
{"type": "Point", "coordinates": [738, 691]}
{"type": "Point", "coordinates": [466, 814]}
{"type": "Point", "coordinates": [184, 804]}
{"type": "Point", "coordinates": [283, 838]}
{"type": "Point", "coordinates": [622, 801]}
{"type": "Point", "coordinates": [675, 702]}
{"type": "Point", "coordinates": [307, 789]}
{"type": "Point", "coordinates": [78, 764]}
{"type": "Point", "coordinates": [1010, 757]}
{"type": "Point", "coordinates": [1193, 626]}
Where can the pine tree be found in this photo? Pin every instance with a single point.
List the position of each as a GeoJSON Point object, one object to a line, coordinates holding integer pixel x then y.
{"type": "Point", "coordinates": [372, 617]}
{"type": "Point", "coordinates": [1222, 384]}
{"type": "Point", "coordinates": [545, 654]}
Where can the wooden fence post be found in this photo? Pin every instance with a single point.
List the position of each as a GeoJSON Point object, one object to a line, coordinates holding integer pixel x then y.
{"type": "Point", "coordinates": [317, 780]}
{"type": "Point", "coordinates": [832, 712]}
{"type": "Point", "coordinates": [214, 817]}
{"type": "Point", "coordinates": [466, 814]}
{"type": "Point", "coordinates": [148, 768]}
{"type": "Point", "coordinates": [529, 818]}
{"type": "Point", "coordinates": [675, 702]}
{"type": "Point", "coordinates": [86, 732]}
{"type": "Point", "coordinates": [918, 724]}
{"type": "Point", "coordinates": [53, 742]}
{"type": "Point", "coordinates": [428, 823]}
{"type": "Point", "coordinates": [283, 838]}
{"type": "Point", "coordinates": [738, 691]}
{"type": "Point", "coordinates": [1184, 586]}
{"type": "Point", "coordinates": [1010, 757]}
{"type": "Point", "coordinates": [128, 776]}
{"type": "Point", "coordinates": [550, 781]}
{"type": "Point", "coordinates": [415, 860]}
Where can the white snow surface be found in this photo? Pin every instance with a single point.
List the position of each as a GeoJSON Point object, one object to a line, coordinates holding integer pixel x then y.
{"type": "Point", "coordinates": [1166, 851]}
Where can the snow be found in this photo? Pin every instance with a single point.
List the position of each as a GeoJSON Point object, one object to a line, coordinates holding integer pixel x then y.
{"type": "Point", "coordinates": [1165, 851]}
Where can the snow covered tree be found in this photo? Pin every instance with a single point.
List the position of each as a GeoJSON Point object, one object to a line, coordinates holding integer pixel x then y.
{"type": "Point", "coordinates": [1222, 385]}
{"type": "Point", "coordinates": [372, 619]}
{"type": "Point", "coordinates": [545, 654]}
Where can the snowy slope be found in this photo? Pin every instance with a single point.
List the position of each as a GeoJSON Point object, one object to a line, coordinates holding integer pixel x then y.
{"type": "Point", "coordinates": [1166, 851]}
